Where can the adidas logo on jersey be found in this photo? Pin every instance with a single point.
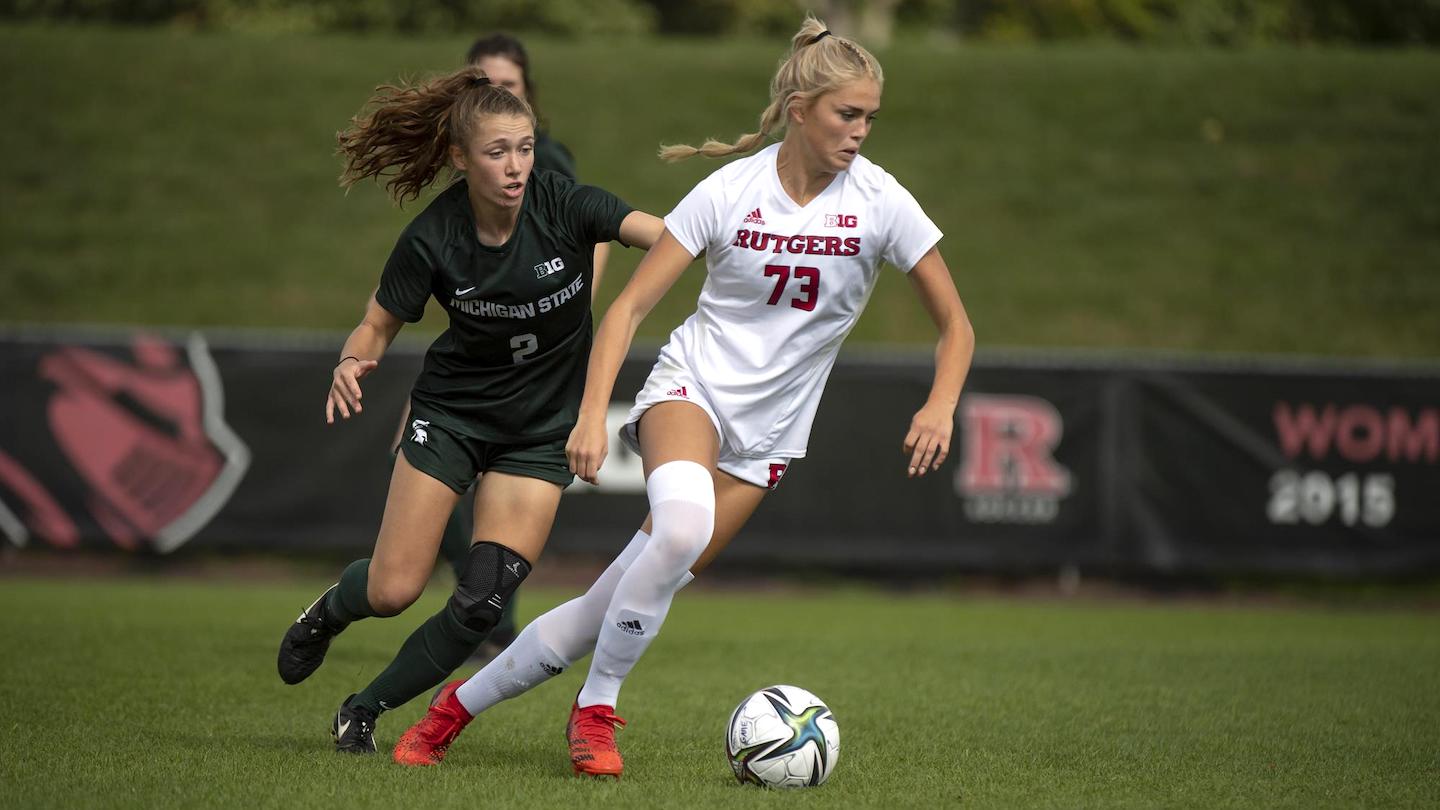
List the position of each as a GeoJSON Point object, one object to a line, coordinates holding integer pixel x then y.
{"type": "Point", "coordinates": [631, 626]}
{"type": "Point", "coordinates": [755, 217]}
{"type": "Point", "coordinates": [678, 392]}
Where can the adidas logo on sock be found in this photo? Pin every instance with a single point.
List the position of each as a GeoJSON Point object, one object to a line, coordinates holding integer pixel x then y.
{"type": "Point", "coordinates": [551, 669]}
{"type": "Point", "coordinates": [631, 626]}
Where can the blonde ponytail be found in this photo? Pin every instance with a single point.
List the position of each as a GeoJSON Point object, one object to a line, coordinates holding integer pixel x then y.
{"type": "Point", "coordinates": [818, 62]}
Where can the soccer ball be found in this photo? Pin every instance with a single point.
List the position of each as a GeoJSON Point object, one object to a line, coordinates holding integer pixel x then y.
{"type": "Point", "coordinates": [782, 736]}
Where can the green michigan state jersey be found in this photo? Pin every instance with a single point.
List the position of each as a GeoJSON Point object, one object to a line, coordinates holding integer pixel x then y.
{"type": "Point", "coordinates": [511, 366]}
{"type": "Point", "coordinates": [553, 156]}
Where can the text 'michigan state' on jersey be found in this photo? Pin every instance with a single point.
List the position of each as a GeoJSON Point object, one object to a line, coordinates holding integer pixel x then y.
{"type": "Point", "coordinates": [511, 366]}
{"type": "Point", "coordinates": [786, 284]}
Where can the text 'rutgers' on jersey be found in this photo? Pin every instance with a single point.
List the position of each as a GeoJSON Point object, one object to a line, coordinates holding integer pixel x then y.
{"type": "Point", "coordinates": [786, 284]}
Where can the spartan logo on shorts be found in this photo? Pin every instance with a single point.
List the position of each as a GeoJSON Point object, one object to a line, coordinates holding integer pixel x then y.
{"type": "Point", "coordinates": [1009, 474]}
{"type": "Point", "coordinates": [127, 444]}
{"type": "Point", "coordinates": [421, 435]}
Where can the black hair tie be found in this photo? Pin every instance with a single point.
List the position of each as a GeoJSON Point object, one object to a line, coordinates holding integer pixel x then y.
{"type": "Point", "coordinates": [479, 81]}
{"type": "Point", "coordinates": [819, 36]}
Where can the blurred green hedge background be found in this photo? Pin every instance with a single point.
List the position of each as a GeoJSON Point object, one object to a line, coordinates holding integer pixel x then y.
{"type": "Point", "coordinates": [1208, 22]}
{"type": "Point", "coordinates": [1094, 193]}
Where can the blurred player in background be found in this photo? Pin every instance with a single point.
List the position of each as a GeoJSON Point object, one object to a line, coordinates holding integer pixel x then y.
{"type": "Point", "coordinates": [507, 253]}
{"type": "Point", "coordinates": [794, 238]}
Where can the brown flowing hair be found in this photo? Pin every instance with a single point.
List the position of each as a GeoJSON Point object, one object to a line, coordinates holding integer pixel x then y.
{"type": "Point", "coordinates": [818, 62]}
{"type": "Point", "coordinates": [408, 129]}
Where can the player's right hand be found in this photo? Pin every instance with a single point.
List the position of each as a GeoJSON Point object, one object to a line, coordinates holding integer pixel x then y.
{"type": "Point", "coordinates": [587, 447]}
{"type": "Point", "coordinates": [345, 388]}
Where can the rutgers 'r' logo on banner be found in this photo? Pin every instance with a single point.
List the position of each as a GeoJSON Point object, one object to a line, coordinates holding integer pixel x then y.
{"type": "Point", "coordinates": [1009, 473]}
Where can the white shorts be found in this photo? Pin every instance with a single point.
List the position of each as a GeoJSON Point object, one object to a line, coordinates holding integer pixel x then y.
{"type": "Point", "coordinates": [671, 383]}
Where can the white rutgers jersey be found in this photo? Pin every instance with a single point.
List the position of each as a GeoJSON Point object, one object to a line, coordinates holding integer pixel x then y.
{"type": "Point", "coordinates": [786, 284]}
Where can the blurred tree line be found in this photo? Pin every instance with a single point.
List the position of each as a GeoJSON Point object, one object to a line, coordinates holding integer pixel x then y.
{"type": "Point", "coordinates": [1190, 22]}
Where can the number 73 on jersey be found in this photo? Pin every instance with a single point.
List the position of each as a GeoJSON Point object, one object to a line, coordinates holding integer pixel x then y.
{"type": "Point", "coordinates": [807, 285]}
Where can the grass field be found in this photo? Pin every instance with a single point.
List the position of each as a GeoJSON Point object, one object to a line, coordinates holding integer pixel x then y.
{"type": "Point", "coordinates": [1092, 196]}
{"type": "Point", "coordinates": [162, 693]}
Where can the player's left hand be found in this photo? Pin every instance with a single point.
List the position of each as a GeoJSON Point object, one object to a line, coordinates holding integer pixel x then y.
{"type": "Point", "coordinates": [587, 447]}
{"type": "Point", "coordinates": [928, 442]}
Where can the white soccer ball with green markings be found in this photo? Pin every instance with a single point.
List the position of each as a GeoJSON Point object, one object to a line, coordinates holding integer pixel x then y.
{"type": "Point", "coordinates": [782, 736]}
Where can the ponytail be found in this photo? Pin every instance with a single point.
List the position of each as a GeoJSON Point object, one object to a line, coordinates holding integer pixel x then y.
{"type": "Point", "coordinates": [407, 134]}
{"type": "Point", "coordinates": [818, 62]}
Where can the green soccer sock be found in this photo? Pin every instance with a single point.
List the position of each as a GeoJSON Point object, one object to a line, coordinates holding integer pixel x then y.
{"type": "Point", "coordinates": [350, 600]}
{"type": "Point", "coordinates": [436, 648]}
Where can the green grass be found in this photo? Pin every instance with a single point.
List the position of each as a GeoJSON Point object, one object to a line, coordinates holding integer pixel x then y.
{"type": "Point", "coordinates": [1092, 196]}
{"type": "Point", "coordinates": [162, 693]}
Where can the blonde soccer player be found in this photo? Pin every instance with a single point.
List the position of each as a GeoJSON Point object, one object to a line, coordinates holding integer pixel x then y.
{"type": "Point", "coordinates": [794, 238]}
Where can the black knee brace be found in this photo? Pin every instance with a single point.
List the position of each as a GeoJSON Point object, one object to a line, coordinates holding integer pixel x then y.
{"type": "Point", "coordinates": [491, 575]}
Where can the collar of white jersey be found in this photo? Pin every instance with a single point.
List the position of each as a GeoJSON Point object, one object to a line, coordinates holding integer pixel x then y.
{"type": "Point", "coordinates": [771, 156]}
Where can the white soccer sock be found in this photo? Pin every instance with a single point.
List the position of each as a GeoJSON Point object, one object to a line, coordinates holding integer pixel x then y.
{"type": "Point", "coordinates": [682, 511]}
{"type": "Point", "coordinates": [549, 644]}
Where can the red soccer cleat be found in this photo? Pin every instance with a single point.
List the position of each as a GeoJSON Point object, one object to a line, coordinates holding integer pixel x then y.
{"type": "Point", "coordinates": [426, 742]}
{"type": "Point", "coordinates": [591, 732]}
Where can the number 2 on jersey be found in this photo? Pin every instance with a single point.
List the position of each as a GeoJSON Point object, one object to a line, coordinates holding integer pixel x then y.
{"type": "Point", "coordinates": [524, 346]}
{"type": "Point", "coordinates": [809, 285]}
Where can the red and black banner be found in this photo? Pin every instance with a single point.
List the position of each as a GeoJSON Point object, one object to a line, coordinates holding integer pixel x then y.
{"type": "Point", "coordinates": [1275, 472]}
{"type": "Point", "coordinates": [154, 443]}
{"type": "Point", "coordinates": [126, 444]}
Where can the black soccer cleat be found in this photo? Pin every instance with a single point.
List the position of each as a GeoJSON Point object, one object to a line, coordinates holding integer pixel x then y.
{"type": "Point", "coordinates": [305, 643]}
{"type": "Point", "coordinates": [353, 729]}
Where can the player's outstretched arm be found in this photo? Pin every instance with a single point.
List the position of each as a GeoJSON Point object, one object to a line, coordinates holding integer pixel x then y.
{"type": "Point", "coordinates": [642, 230]}
{"type": "Point", "coordinates": [638, 229]}
{"type": "Point", "coordinates": [362, 352]}
{"type": "Point", "coordinates": [654, 277]}
{"type": "Point", "coordinates": [928, 441]}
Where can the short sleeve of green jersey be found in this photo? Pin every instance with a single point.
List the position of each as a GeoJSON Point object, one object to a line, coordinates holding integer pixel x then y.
{"type": "Point", "coordinates": [405, 284]}
{"type": "Point", "coordinates": [595, 214]}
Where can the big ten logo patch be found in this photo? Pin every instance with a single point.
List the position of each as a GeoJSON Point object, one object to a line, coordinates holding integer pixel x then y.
{"type": "Point", "coordinates": [1009, 473]}
{"type": "Point", "coordinates": [549, 268]}
{"type": "Point", "coordinates": [841, 221]}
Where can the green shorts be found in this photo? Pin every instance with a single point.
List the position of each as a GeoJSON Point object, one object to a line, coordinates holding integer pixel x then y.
{"type": "Point", "coordinates": [455, 459]}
